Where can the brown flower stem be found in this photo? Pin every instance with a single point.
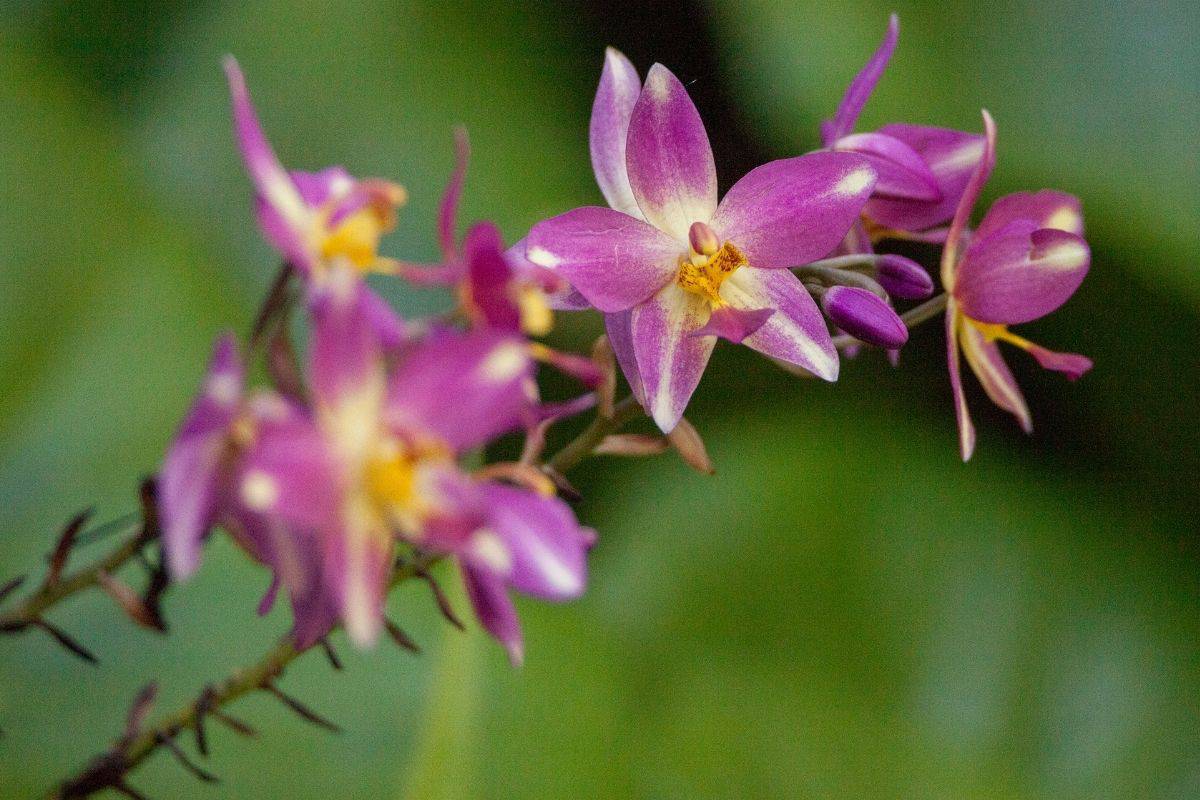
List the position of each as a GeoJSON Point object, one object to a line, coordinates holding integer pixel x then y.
{"type": "Point", "coordinates": [30, 611]}
{"type": "Point", "coordinates": [110, 769]}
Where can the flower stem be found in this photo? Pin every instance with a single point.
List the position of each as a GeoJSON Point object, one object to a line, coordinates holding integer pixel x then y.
{"type": "Point", "coordinates": [110, 769]}
{"type": "Point", "coordinates": [586, 442]}
{"type": "Point", "coordinates": [30, 611]}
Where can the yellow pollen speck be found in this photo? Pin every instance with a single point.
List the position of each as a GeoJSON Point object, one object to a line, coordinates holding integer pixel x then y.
{"type": "Point", "coordinates": [705, 278]}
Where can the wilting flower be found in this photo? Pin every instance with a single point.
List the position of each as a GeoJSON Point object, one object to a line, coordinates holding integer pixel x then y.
{"type": "Point", "coordinates": [673, 270]}
{"type": "Point", "coordinates": [316, 219]}
{"type": "Point", "coordinates": [1026, 258]}
{"type": "Point", "coordinates": [922, 170]}
{"type": "Point", "coordinates": [380, 463]}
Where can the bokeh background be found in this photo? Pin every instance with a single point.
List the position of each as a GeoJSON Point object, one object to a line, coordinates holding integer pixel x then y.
{"type": "Point", "coordinates": [844, 611]}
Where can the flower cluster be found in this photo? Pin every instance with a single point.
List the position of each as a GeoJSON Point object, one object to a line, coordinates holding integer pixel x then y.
{"type": "Point", "coordinates": [372, 452]}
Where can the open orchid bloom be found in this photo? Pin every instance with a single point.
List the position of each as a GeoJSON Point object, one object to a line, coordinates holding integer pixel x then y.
{"type": "Point", "coordinates": [379, 462]}
{"type": "Point", "coordinates": [314, 219]}
{"type": "Point", "coordinates": [671, 269]}
{"type": "Point", "coordinates": [1026, 258]}
{"type": "Point", "coordinates": [922, 170]}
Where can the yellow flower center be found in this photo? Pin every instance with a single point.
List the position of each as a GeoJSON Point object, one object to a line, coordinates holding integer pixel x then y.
{"type": "Point", "coordinates": [356, 238]}
{"type": "Point", "coordinates": [703, 274]}
{"type": "Point", "coordinates": [994, 332]}
{"type": "Point", "coordinates": [391, 482]}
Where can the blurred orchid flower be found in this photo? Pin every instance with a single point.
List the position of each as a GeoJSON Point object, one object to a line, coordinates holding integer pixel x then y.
{"type": "Point", "coordinates": [1026, 258]}
{"type": "Point", "coordinates": [313, 218]}
{"type": "Point", "coordinates": [198, 479]}
{"type": "Point", "coordinates": [380, 462]}
{"type": "Point", "coordinates": [671, 269]}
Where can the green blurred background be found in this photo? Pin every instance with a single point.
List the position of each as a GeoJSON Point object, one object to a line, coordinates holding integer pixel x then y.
{"type": "Point", "coordinates": [844, 611]}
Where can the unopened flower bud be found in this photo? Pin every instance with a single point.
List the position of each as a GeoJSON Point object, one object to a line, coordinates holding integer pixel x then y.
{"type": "Point", "coordinates": [703, 239]}
{"type": "Point", "coordinates": [864, 316]}
{"type": "Point", "coordinates": [903, 278]}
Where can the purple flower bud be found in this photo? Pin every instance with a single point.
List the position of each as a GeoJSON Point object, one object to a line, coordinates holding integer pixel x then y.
{"type": "Point", "coordinates": [865, 316]}
{"type": "Point", "coordinates": [903, 278]}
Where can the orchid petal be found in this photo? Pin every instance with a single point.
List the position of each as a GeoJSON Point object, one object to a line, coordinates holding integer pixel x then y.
{"type": "Point", "coordinates": [495, 610]}
{"type": "Point", "coordinates": [902, 277]}
{"type": "Point", "coordinates": [294, 555]}
{"type": "Point", "coordinates": [358, 559]}
{"type": "Point", "coordinates": [859, 90]}
{"type": "Point", "coordinates": [290, 473]}
{"type": "Point", "coordinates": [560, 294]}
{"type": "Point", "coordinates": [796, 332]}
{"type": "Point", "coordinates": [314, 609]}
{"type": "Point", "coordinates": [794, 210]}
{"type": "Point", "coordinates": [319, 188]}
{"type": "Point", "coordinates": [951, 157]}
{"type": "Point", "coordinates": [1015, 275]}
{"type": "Point", "coordinates": [966, 429]}
{"type": "Point", "coordinates": [1044, 209]}
{"type": "Point", "coordinates": [966, 203]}
{"type": "Point", "coordinates": [544, 542]}
{"type": "Point", "coordinates": [290, 219]}
{"type": "Point", "coordinates": [1073, 365]}
{"type": "Point", "coordinates": [670, 359]}
{"type": "Point", "coordinates": [735, 324]}
{"type": "Point", "coordinates": [618, 326]}
{"type": "Point", "coordinates": [382, 318]}
{"type": "Point", "coordinates": [615, 98]}
{"type": "Point", "coordinates": [668, 157]}
{"type": "Point", "coordinates": [490, 275]}
{"type": "Point", "coordinates": [613, 259]}
{"type": "Point", "coordinates": [190, 478]}
{"type": "Point", "coordinates": [346, 358]}
{"type": "Point", "coordinates": [448, 207]}
{"type": "Point", "coordinates": [466, 389]}
{"type": "Point", "coordinates": [903, 174]}
{"type": "Point", "coordinates": [988, 364]}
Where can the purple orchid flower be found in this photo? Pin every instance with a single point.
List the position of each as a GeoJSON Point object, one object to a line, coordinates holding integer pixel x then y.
{"type": "Point", "coordinates": [198, 479]}
{"type": "Point", "coordinates": [1026, 258]}
{"type": "Point", "coordinates": [314, 219]}
{"type": "Point", "coordinates": [922, 170]}
{"type": "Point", "coordinates": [379, 463]}
{"type": "Point", "coordinates": [670, 268]}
